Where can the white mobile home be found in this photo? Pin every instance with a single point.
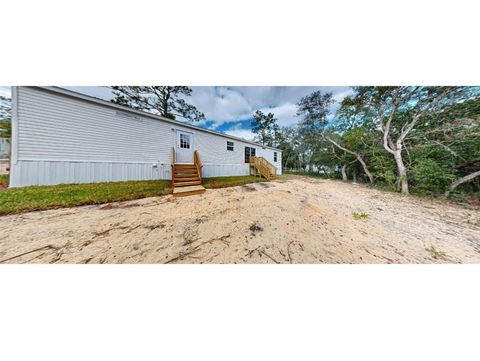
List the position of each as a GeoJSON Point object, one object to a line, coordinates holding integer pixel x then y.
{"type": "Point", "coordinates": [59, 136]}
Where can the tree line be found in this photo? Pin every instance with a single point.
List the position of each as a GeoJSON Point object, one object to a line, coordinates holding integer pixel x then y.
{"type": "Point", "coordinates": [425, 138]}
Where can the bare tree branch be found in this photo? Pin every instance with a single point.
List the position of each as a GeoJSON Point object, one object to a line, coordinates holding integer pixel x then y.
{"type": "Point", "coordinates": [459, 181]}
{"type": "Point", "coordinates": [356, 155]}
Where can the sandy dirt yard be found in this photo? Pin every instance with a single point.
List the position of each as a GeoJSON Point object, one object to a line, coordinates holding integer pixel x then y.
{"type": "Point", "coordinates": [303, 220]}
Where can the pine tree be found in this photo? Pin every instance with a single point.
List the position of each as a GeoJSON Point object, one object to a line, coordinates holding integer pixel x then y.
{"type": "Point", "coordinates": [265, 127]}
{"type": "Point", "coordinates": [167, 101]}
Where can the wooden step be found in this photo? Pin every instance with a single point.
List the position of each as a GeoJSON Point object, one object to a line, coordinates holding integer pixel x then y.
{"type": "Point", "coordinates": [185, 184]}
{"type": "Point", "coordinates": [184, 179]}
{"type": "Point", "coordinates": [188, 191]}
{"type": "Point", "coordinates": [185, 171]}
{"type": "Point", "coordinates": [185, 174]}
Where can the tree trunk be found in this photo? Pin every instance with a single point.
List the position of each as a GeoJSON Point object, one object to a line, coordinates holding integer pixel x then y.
{"type": "Point", "coordinates": [402, 171]}
{"type": "Point", "coordinates": [354, 175]}
{"type": "Point", "coordinates": [165, 99]}
{"type": "Point", "coordinates": [344, 173]}
{"type": "Point", "coordinates": [359, 158]}
{"type": "Point", "coordinates": [459, 181]}
{"type": "Point", "coordinates": [365, 169]}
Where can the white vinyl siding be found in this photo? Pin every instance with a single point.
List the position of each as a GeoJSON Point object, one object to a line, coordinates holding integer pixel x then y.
{"type": "Point", "coordinates": [55, 127]}
{"type": "Point", "coordinates": [74, 137]}
{"type": "Point", "coordinates": [267, 153]}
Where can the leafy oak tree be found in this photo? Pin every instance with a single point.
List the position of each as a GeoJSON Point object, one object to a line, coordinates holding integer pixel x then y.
{"type": "Point", "coordinates": [446, 148]}
{"type": "Point", "coordinates": [399, 111]}
{"type": "Point", "coordinates": [315, 109]}
{"type": "Point", "coordinates": [420, 139]}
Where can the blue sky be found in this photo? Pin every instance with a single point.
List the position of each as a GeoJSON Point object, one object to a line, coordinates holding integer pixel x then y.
{"type": "Point", "coordinates": [229, 109]}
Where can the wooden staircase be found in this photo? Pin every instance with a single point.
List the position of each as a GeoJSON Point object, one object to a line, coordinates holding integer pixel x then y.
{"type": "Point", "coordinates": [259, 166]}
{"type": "Point", "coordinates": [187, 178]}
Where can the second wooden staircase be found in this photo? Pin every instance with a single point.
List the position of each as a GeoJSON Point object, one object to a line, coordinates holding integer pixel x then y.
{"type": "Point", "coordinates": [259, 166]}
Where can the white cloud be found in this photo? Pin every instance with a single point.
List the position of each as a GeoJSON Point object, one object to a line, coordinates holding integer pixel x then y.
{"type": "Point", "coordinates": [231, 104]}
{"type": "Point", "coordinates": [285, 114]}
{"type": "Point", "coordinates": [220, 104]}
{"type": "Point", "coordinates": [241, 133]}
{"type": "Point", "coordinates": [5, 91]}
{"type": "Point", "coordinates": [342, 94]}
{"type": "Point", "coordinates": [224, 104]}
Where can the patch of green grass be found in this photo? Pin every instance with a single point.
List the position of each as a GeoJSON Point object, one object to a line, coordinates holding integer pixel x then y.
{"type": "Point", "coordinates": [17, 200]}
{"type": "Point", "coordinates": [4, 179]}
{"type": "Point", "coordinates": [435, 253]}
{"type": "Point", "coordinates": [359, 215]}
{"type": "Point", "coordinates": [223, 182]}
{"type": "Point", "coordinates": [26, 199]}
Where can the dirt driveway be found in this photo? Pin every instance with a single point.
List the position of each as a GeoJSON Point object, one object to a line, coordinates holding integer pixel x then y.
{"type": "Point", "coordinates": [302, 220]}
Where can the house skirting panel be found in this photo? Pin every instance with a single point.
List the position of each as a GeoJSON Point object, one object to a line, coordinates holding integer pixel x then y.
{"type": "Point", "coordinates": [36, 172]}
{"type": "Point", "coordinates": [224, 170]}
{"type": "Point", "coordinates": [32, 172]}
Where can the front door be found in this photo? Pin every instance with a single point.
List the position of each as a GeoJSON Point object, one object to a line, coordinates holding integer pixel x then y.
{"type": "Point", "coordinates": [184, 147]}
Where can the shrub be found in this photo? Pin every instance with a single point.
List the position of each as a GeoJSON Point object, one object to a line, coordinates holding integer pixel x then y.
{"type": "Point", "coordinates": [431, 176]}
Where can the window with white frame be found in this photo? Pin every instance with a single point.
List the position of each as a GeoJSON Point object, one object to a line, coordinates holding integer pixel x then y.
{"type": "Point", "coordinates": [274, 156]}
{"type": "Point", "coordinates": [184, 141]}
{"type": "Point", "coordinates": [229, 145]}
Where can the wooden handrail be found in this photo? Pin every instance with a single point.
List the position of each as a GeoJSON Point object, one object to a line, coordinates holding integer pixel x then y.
{"type": "Point", "coordinates": [173, 164]}
{"type": "Point", "coordinates": [265, 168]}
{"type": "Point", "coordinates": [198, 163]}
